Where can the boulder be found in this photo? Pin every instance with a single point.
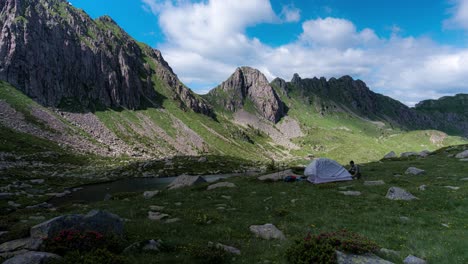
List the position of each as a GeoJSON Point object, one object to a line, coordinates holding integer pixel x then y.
{"type": "Point", "coordinates": [374, 183]}
{"type": "Point", "coordinates": [351, 193]}
{"type": "Point", "coordinates": [156, 207]}
{"type": "Point", "coordinates": [185, 181]}
{"type": "Point", "coordinates": [390, 155]}
{"type": "Point", "coordinates": [408, 154]}
{"type": "Point", "coordinates": [150, 194]}
{"type": "Point", "coordinates": [424, 153]}
{"type": "Point", "coordinates": [95, 220]}
{"type": "Point", "coordinates": [344, 258]}
{"type": "Point", "coordinates": [221, 185]}
{"type": "Point", "coordinates": [396, 193]}
{"type": "Point", "coordinates": [37, 181]}
{"type": "Point", "coordinates": [226, 248]}
{"type": "Point", "coordinates": [452, 187]}
{"type": "Point", "coordinates": [413, 260]}
{"type": "Point", "coordinates": [267, 231]}
{"type": "Point", "coordinates": [414, 171]}
{"type": "Point", "coordinates": [147, 245]}
{"type": "Point", "coordinates": [32, 257]}
{"type": "Point", "coordinates": [422, 187]}
{"type": "Point", "coordinates": [462, 155]}
{"type": "Point", "coordinates": [23, 243]}
{"type": "Point", "coordinates": [156, 216]}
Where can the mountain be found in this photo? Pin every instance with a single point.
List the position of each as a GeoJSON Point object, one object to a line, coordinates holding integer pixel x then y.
{"type": "Point", "coordinates": [248, 89]}
{"type": "Point", "coordinates": [78, 85]}
{"type": "Point", "coordinates": [57, 55]}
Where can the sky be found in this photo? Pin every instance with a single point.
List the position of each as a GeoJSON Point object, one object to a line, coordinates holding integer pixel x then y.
{"type": "Point", "coordinates": [410, 50]}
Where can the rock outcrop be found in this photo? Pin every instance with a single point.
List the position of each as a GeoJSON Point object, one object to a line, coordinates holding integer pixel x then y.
{"type": "Point", "coordinates": [248, 89]}
{"type": "Point", "coordinates": [60, 57]}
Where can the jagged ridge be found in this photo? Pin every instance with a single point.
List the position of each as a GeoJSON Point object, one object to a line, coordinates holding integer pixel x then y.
{"type": "Point", "coordinates": [57, 54]}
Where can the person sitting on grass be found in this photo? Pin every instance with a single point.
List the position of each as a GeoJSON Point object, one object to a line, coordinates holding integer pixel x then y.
{"type": "Point", "coordinates": [354, 170]}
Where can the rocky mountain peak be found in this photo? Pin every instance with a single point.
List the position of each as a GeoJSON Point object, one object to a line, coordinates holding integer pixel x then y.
{"type": "Point", "coordinates": [248, 86]}
{"type": "Point", "coordinates": [57, 54]}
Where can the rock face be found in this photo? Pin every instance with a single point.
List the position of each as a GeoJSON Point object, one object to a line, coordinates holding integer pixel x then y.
{"type": "Point", "coordinates": [60, 57]}
{"type": "Point", "coordinates": [95, 220]}
{"type": "Point", "coordinates": [396, 193]}
{"type": "Point", "coordinates": [32, 257]}
{"type": "Point", "coordinates": [248, 88]}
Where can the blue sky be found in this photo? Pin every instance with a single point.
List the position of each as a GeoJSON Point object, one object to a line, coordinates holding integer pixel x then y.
{"type": "Point", "coordinates": [409, 50]}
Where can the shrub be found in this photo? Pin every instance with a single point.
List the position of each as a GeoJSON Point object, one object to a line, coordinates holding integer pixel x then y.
{"type": "Point", "coordinates": [101, 256]}
{"type": "Point", "coordinates": [82, 241]}
{"type": "Point", "coordinates": [208, 254]}
{"type": "Point", "coordinates": [321, 248]}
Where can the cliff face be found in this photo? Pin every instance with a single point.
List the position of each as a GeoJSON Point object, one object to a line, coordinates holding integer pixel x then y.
{"type": "Point", "coordinates": [56, 53]}
{"type": "Point", "coordinates": [247, 85]}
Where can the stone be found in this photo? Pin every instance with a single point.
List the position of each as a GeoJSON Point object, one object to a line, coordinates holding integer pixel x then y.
{"type": "Point", "coordinates": [422, 187]}
{"type": "Point", "coordinates": [408, 154]}
{"type": "Point", "coordinates": [152, 245]}
{"type": "Point", "coordinates": [178, 204]}
{"type": "Point", "coordinates": [146, 245]}
{"type": "Point", "coordinates": [452, 187]}
{"type": "Point", "coordinates": [202, 159]}
{"type": "Point", "coordinates": [37, 181]}
{"type": "Point", "coordinates": [344, 258]}
{"type": "Point", "coordinates": [23, 243]}
{"type": "Point", "coordinates": [464, 179]}
{"type": "Point", "coordinates": [390, 155]}
{"type": "Point", "coordinates": [463, 159]}
{"type": "Point", "coordinates": [277, 176]}
{"type": "Point", "coordinates": [396, 193]}
{"type": "Point", "coordinates": [13, 204]}
{"type": "Point", "coordinates": [410, 259]}
{"type": "Point", "coordinates": [424, 153]}
{"type": "Point", "coordinates": [226, 248]}
{"type": "Point", "coordinates": [185, 181]}
{"type": "Point", "coordinates": [156, 207]}
{"type": "Point", "coordinates": [172, 220]}
{"type": "Point", "coordinates": [373, 183]}
{"type": "Point", "coordinates": [96, 220]}
{"type": "Point", "coordinates": [414, 171]}
{"type": "Point", "coordinates": [345, 187]}
{"type": "Point", "coordinates": [462, 155]}
{"type": "Point", "coordinates": [226, 197]}
{"type": "Point", "coordinates": [32, 257]}
{"type": "Point", "coordinates": [157, 216]}
{"type": "Point", "coordinates": [221, 185]}
{"type": "Point", "coordinates": [267, 231]}
{"type": "Point", "coordinates": [43, 205]}
{"type": "Point", "coordinates": [445, 225]}
{"type": "Point", "coordinates": [404, 218]}
{"type": "Point", "coordinates": [150, 194]}
{"type": "Point", "coordinates": [351, 193]}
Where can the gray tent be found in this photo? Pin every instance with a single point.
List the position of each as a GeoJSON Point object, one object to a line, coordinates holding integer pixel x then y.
{"type": "Point", "coordinates": [324, 170]}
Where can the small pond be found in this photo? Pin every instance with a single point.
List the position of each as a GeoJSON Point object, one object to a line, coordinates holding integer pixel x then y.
{"type": "Point", "coordinates": [97, 192]}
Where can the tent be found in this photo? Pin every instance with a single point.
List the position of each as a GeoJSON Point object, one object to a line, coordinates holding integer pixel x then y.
{"type": "Point", "coordinates": [326, 170]}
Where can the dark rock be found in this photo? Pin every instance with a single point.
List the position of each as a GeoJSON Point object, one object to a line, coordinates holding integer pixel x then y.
{"type": "Point", "coordinates": [95, 220]}
{"type": "Point", "coordinates": [23, 243]}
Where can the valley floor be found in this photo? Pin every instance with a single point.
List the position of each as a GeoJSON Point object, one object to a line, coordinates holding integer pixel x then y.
{"type": "Point", "coordinates": [433, 227]}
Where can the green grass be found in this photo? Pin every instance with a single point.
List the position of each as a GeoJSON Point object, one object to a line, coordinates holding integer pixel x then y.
{"type": "Point", "coordinates": [316, 209]}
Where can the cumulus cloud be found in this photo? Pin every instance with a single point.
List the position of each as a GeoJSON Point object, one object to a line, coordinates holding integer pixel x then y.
{"type": "Point", "coordinates": [290, 13]}
{"type": "Point", "coordinates": [206, 41]}
{"type": "Point", "coordinates": [460, 15]}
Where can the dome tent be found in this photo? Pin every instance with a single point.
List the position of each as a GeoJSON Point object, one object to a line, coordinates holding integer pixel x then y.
{"type": "Point", "coordinates": [324, 170]}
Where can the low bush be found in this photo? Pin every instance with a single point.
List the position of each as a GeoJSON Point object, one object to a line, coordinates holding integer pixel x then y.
{"type": "Point", "coordinates": [321, 248]}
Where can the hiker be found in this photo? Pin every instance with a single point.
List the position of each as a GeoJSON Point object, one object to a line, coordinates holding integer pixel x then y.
{"type": "Point", "coordinates": [354, 170]}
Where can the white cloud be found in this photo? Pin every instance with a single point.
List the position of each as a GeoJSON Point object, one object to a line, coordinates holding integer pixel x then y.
{"type": "Point", "coordinates": [290, 13]}
{"type": "Point", "coordinates": [206, 41]}
{"type": "Point", "coordinates": [460, 15]}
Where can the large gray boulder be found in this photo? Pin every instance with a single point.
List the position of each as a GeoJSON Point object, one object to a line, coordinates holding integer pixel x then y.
{"type": "Point", "coordinates": [95, 220]}
{"type": "Point", "coordinates": [32, 257]}
{"type": "Point", "coordinates": [396, 193]}
{"type": "Point", "coordinates": [462, 155]}
{"type": "Point", "coordinates": [413, 260]}
{"type": "Point", "coordinates": [18, 244]}
{"type": "Point", "coordinates": [414, 171]}
{"type": "Point", "coordinates": [390, 155]}
{"type": "Point", "coordinates": [267, 231]}
{"type": "Point", "coordinates": [185, 181]}
{"type": "Point", "coordinates": [343, 258]}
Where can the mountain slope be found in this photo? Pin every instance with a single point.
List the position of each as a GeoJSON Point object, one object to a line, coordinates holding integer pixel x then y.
{"type": "Point", "coordinates": [57, 55]}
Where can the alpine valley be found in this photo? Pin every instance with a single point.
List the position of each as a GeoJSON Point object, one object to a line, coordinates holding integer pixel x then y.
{"type": "Point", "coordinates": [83, 102]}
